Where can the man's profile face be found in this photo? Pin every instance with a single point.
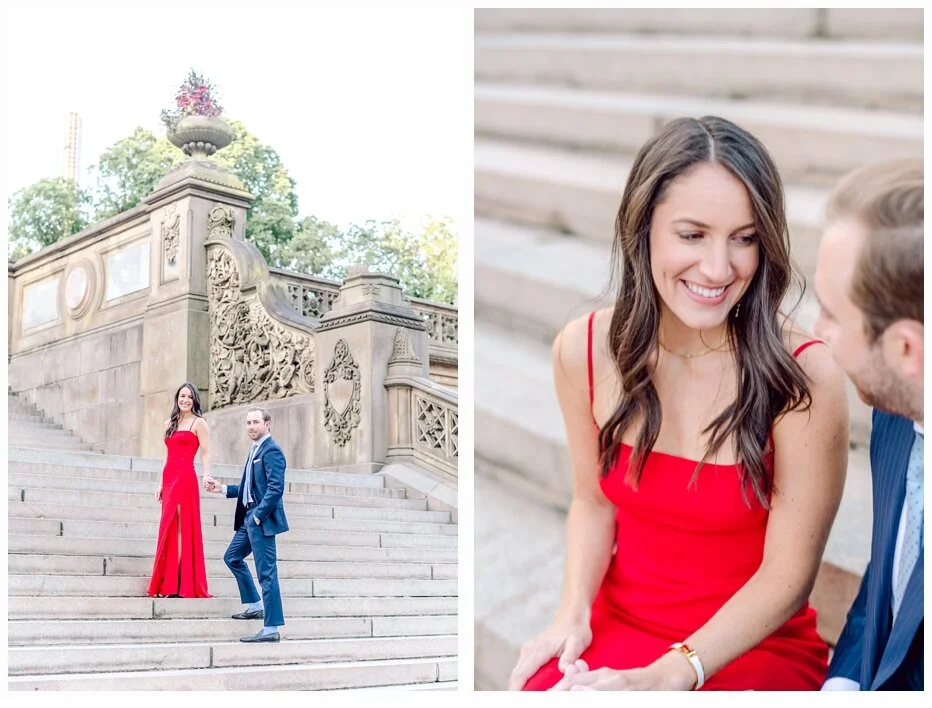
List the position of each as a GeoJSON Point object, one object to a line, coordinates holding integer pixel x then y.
{"type": "Point", "coordinates": [841, 323]}
{"type": "Point", "coordinates": [255, 426]}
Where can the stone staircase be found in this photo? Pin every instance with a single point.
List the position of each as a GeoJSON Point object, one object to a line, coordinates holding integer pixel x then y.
{"type": "Point", "coordinates": [29, 427]}
{"type": "Point", "coordinates": [368, 580]}
{"type": "Point", "coordinates": [564, 98]}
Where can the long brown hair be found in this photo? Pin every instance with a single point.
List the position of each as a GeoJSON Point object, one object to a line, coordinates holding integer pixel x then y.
{"type": "Point", "coordinates": [176, 411]}
{"type": "Point", "coordinates": [769, 379]}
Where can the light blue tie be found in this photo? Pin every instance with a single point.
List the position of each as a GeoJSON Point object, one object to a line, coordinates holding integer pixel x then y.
{"type": "Point", "coordinates": [912, 533]}
{"type": "Point", "coordinates": [247, 493]}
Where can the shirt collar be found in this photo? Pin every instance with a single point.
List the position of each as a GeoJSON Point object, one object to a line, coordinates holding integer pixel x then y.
{"type": "Point", "coordinates": [258, 443]}
{"type": "Point", "coordinates": [919, 429]}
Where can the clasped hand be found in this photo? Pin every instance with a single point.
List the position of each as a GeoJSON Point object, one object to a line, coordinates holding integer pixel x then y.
{"type": "Point", "coordinates": [211, 484]}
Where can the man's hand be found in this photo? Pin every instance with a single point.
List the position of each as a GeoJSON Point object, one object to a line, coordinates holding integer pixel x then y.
{"type": "Point", "coordinates": [211, 484]}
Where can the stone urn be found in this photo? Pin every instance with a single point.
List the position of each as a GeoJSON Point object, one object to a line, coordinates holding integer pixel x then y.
{"type": "Point", "coordinates": [200, 136]}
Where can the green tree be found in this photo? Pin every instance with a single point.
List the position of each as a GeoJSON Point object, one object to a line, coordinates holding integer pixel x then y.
{"type": "Point", "coordinates": [312, 249]}
{"type": "Point", "coordinates": [44, 212]}
{"type": "Point", "coordinates": [129, 171]}
{"type": "Point", "coordinates": [270, 222]}
{"type": "Point", "coordinates": [424, 260]}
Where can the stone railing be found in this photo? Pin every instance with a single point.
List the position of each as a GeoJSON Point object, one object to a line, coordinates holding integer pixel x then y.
{"type": "Point", "coordinates": [313, 297]}
{"type": "Point", "coordinates": [423, 419]}
{"type": "Point", "coordinates": [260, 348]}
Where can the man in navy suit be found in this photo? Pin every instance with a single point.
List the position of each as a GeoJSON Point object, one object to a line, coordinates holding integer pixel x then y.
{"type": "Point", "coordinates": [259, 518]}
{"type": "Point", "coordinates": [869, 284]}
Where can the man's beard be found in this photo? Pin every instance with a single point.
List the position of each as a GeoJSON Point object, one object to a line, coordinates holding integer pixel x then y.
{"type": "Point", "coordinates": [883, 389]}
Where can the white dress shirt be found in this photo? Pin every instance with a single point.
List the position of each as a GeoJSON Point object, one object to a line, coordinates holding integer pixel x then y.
{"type": "Point", "coordinates": [840, 683]}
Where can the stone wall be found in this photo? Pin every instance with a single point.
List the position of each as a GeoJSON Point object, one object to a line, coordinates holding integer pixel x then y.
{"type": "Point", "coordinates": [76, 312]}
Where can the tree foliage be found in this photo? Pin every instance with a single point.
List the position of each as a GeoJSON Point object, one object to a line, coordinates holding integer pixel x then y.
{"type": "Point", "coordinates": [44, 212]}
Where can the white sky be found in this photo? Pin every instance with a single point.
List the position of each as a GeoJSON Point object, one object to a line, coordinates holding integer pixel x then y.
{"type": "Point", "coordinates": [370, 110]}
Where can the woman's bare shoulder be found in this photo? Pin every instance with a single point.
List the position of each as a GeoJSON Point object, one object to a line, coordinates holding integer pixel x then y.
{"type": "Point", "coordinates": [571, 347]}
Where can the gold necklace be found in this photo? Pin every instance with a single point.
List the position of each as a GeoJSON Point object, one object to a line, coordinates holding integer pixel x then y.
{"type": "Point", "coordinates": [692, 356]}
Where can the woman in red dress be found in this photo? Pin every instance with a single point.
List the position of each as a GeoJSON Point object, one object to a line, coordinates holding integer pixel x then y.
{"type": "Point", "coordinates": [708, 440]}
{"type": "Point", "coordinates": [179, 569]}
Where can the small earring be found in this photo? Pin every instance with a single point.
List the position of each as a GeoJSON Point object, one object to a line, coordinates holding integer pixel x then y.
{"type": "Point", "coordinates": [738, 310]}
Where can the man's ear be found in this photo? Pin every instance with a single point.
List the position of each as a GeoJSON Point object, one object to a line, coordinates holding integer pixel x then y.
{"type": "Point", "coordinates": [903, 349]}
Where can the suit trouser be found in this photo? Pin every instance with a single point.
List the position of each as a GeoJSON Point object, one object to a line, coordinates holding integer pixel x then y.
{"type": "Point", "coordinates": [250, 539]}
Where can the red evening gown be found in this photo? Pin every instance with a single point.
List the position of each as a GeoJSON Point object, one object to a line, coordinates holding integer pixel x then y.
{"type": "Point", "coordinates": [682, 552]}
{"type": "Point", "coordinates": [183, 574]}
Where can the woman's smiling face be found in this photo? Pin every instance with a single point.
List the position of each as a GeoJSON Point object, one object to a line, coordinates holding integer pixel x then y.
{"type": "Point", "coordinates": [703, 246]}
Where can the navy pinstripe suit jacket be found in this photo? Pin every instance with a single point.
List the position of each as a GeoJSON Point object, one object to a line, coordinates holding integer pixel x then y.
{"type": "Point", "coordinates": [873, 650]}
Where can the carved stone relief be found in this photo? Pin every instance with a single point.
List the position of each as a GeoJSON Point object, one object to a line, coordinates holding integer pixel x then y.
{"type": "Point", "coordinates": [220, 222]}
{"type": "Point", "coordinates": [403, 351]}
{"type": "Point", "coordinates": [342, 417]}
{"type": "Point", "coordinates": [171, 234]}
{"type": "Point", "coordinates": [252, 356]}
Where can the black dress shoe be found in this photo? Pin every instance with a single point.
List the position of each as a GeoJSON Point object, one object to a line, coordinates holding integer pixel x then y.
{"type": "Point", "coordinates": [250, 615]}
{"type": "Point", "coordinates": [260, 637]}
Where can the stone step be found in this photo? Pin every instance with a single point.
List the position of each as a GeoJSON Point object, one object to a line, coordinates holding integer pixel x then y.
{"type": "Point", "coordinates": [294, 649]}
{"type": "Point", "coordinates": [579, 193]}
{"type": "Point", "coordinates": [96, 461]}
{"type": "Point", "coordinates": [438, 686]}
{"type": "Point", "coordinates": [94, 565]}
{"type": "Point", "coordinates": [835, 23]}
{"type": "Point", "coordinates": [117, 529]}
{"type": "Point", "coordinates": [315, 494]}
{"type": "Point", "coordinates": [807, 142]}
{"type": "Point", "coordinates": [143, 608]}
{"type": "Point", "coordinates": [225, 586]}
{"type": "Point", "coordinates": [217, 504]}
{"type": "Point", "coordinates": [30, 418]}
{"type": "Point", "coordinates": [38, 431]}
{"type": "Point", "coordinates": [305, 519]}
{"type": "Point", "coordinates": [34, 633]}
{"type": "Point", "coordinates": [534, 281]}
{"type": "Point", "coordinates": [54, 445]}
{"type": "Point", "coordinates": [145, 548]}
{"type": "Point", "coordinates": [17, 425]}
{"type": "Point", "coordinates": [312, 676]}
{"type": "Point", "coordinates": [863, 74]}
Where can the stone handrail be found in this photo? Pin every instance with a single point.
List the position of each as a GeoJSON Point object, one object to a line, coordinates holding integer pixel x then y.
{"type": "Point", "coordinates": [313, 297]}
{"type": "Point", "coordinates": [424, 423]}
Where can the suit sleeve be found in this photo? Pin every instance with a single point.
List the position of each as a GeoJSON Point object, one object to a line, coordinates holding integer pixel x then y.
{"type": "Point", "coordinates": [274, 461]}
{"type": "Point", "coordinates": [232, 491]}
{"type": "Point", "coordinates": [846, 662]}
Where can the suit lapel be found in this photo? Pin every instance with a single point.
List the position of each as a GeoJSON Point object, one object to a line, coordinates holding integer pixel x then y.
{"type": "Point", "coordinates": [889, 458]}
{"type": "Point", "coordinates": [904, 627]}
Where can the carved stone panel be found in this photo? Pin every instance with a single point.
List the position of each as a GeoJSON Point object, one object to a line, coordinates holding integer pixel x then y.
{"type": "Point", "coordinates": [252, 356]}
{"type": "Point", "coordinates": [403, 351]}
{"type": "Point", "coordinates": [171, 234]}
{"type": "Point", "coordinates": [342, 390]}
{"type": "Point", "coordinates": [220, 222]}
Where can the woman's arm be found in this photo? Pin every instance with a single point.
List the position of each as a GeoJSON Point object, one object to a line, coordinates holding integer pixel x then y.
{"type": "Point", "coordinates": [811, 457]}
{"type": "Point", "coordinates": [202, 430]}
{"type": "Point", "coordinates": [591, 518]}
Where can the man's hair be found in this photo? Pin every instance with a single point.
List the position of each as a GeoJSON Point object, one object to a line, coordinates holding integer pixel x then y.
{"type": "Point", "coordinates": [886, 199]}
{"type": "Point", "coordinates": [266, 416]}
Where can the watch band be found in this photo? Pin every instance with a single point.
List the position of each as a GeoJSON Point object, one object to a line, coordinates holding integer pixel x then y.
{"type": "Point", "coordinates": [693, 659]}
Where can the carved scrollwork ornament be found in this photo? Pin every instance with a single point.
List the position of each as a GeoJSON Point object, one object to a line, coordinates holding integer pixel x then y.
{"type": "Point", "coordinates": [220, 222]}
{"type": "Point", "coordinates": [252, 356]}
{"type": "Point", "coordinates": [171, 234]}
{"type": "Point", "coordinates": [342, 368]}
{"type": "Point", "coordinates": [403, 350]}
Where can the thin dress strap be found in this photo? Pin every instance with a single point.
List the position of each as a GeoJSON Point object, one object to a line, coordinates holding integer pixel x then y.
{"type": "Point", "coordinates": [799, 350]}
{"type": "Point", "coordinates": [589, 354]}
{"type": "Point", "coordinates": [805, 345]}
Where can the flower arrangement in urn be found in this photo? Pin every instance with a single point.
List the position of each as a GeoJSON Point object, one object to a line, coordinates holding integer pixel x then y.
{"type": "Point", "coordinates": [195, 125]}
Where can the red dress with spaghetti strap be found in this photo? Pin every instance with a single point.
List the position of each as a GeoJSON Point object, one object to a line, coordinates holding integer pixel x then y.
{"type": "Point", "coordinates": [682, 552]}
{"type": "Point", "coordinates": [179, 567]}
